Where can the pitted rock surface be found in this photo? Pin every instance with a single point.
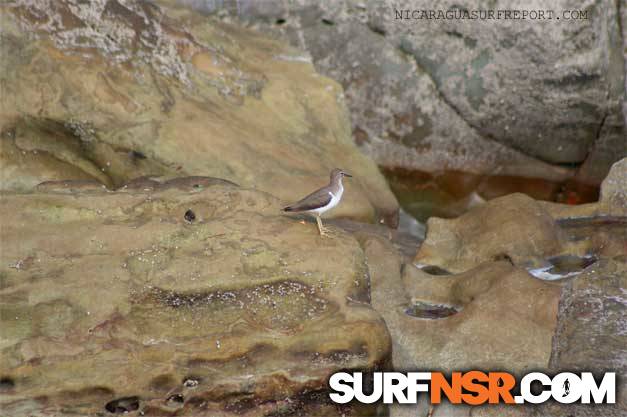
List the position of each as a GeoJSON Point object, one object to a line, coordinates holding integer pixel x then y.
{"type": "Point", "coordinates": [112, 301]}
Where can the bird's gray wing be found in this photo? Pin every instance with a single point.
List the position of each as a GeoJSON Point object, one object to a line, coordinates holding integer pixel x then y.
{"type": "Point", "coordinates": [315, 200]}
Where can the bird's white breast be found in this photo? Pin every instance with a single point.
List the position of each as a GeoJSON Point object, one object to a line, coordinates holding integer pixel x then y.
{"type": "Point", "coordinates": [335, 200]}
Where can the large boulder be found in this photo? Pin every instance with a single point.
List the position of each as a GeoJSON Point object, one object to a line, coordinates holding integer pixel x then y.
{"type": "Point", "coordinates": [480, 319]}
{"type": "Point", "coordinates": [195, 297]}
{"type": "Point", "coordinates": [614, 189]}
{"type": "Point", "coordinates": [591, 334]}
{"type": "Point", "coordinates": [515, 228]}
{"type": "Point", "coordinates": [470, 264]}
{"type": "Point", "coordinates": [111, 91]}
{"type": "Point", "coordinates": [470, 94]}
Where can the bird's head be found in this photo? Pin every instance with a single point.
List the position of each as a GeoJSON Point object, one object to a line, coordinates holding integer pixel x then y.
{"type": "Point", "coordinates": [338, 174]}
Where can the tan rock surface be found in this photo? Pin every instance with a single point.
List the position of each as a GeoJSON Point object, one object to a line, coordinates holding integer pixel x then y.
{"type": "Point", "coordinates": [506, 319]}
{"type": "Point", "coordinates": [514, 227]}
{"type": "Point", "coordinates": [114, 301]}
{"type": "Point", "coordinates": [481, 266]}
{"type": "Point", "coordinates": [113, 91]}
{"type": "Point", "coordinates": [499, 307]}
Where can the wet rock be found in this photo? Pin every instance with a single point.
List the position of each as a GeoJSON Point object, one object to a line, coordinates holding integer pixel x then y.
{"type": "Point", "coordinates": [478, 319]}
{"type": "Point", "coordinates": [122, 405]}
{"type": "Point", "coordinates": [563, 266]}
{"type": "Point", "coordinates": [582, 247]}
{"type": "Point", "coordinates": [537, 236]}
{"type": "Point", "coordinates": [112, 91]}
{"type": "Point", "coordinates": [490, 311]}
{"type": "Point", "coordinates": [245, 312]}
{"type": "Point", "coordinates": [450, 194]}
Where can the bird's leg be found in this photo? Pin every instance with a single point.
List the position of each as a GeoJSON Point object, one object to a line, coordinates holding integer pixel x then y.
{"type": "Point", "coordinates": [321, 228]}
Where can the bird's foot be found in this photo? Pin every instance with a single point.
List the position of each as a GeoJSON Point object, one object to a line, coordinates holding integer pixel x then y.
{"type": "Point", "coordinates": [328, 232]}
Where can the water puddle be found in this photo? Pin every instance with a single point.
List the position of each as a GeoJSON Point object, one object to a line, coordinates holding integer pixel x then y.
{"type": "Point", "coordinates": [430, 311]}
{"type": "Point", "coordinates": [411, 226]}
{"type": "Point", "coordinates": [563, 266]}
{"type": "Point", "coordinates": [451, 193]}
{"type": "Point", "coordinates": [123, 405]}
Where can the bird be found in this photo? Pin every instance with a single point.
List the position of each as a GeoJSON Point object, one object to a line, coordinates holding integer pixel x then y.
{"type": "Point", "coordinates": [321, 200]}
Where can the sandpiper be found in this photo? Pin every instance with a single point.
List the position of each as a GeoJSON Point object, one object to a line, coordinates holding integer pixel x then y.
{"type": "Point", "coordinates": [323, 199]}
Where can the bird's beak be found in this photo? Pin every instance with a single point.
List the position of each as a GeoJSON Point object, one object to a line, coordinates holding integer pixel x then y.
{"type": "Point", "coordinates": [346, 174]}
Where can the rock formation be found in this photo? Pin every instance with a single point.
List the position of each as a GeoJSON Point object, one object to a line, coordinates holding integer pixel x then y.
{"type": "Point", "coordinates": [113, 91]}
{"type": "Point", "coordinates": [126, 302]}
{"type": "Point", "coordinates": [533, 98]}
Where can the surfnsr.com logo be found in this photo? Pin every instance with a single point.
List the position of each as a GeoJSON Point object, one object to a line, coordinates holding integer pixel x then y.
{"type": "Point", "coordinates": [473, 388]}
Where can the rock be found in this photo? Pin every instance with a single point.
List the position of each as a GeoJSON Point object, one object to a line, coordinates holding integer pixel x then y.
{"type": "Point", "coordinates": [514, 228]}
{"type": "Point", "coordinates": [460, 307]}
{"type": "Point", "coordinates": [482, 68]}
{"type": "Point", "coordinates": [614, 189]}
{"type": "Point", "coordinates": [116, 301]}
{"type": "Point", "coordinates": [526, 232]}
{"type": "Point", "coordinates": [480, 319]}
{"type": "Point", "coordinates": [490, 311]}
{"type": "Point", "coordinates": [110, 92]}
{"type": "Point", "coordinates": [580, 248]}
{"type": "Point", "coordinates": [462, 94]}
{"type": "Point", "coordinates": [591, 334]}
{"type": "Point", "coordinates": [610, 210]}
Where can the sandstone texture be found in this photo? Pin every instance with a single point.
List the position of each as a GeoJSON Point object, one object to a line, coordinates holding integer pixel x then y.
{"type": "Point", "coordinates": [116, 302]}
{"type": "Point", "coordinates": [592, 333]}
{"type": "Point", "coordinates": [536, 98]}
{"type": "Point", "coordinates": [111, 91]}
{"type": "Point", "coordinates": [526, 232]}
{"type": "Point", "coordinates": [514, 227]}
{"type": "Point", "coordinates": [499, 307]}
{"type": "Point", "coordinates": [580, 254]}
{"type": "Point", "coordinates": [146, 267]}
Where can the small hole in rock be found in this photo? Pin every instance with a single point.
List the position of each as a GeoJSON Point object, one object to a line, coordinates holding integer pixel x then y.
{"type": "Point", "coordinates": [503, 257]}
{"type": "Point", "coordinates": [123, 405]}
{"type": "Point", "coordinates": [6, 383]}
{"type": "Point", "coordinates": [328, 22]}
{"type": "Point", "coordinates": [280, 21]}
{"type": "Point", "coordinates": [563, 266]}
{"type": "Point", "coordinates": [430, 311]}
{"type": "Point", "coordinates": [190, 216]}
{"type": "Point", "coordinates": [177, 398]}
{"type": "Point", "coordinates": [570, 263]}
{"type": "Point", "coordinates": [137, 155]}
{"type": "Point", "coordinates": [434, 270]}
{"type": "Point", "coordinates": [196, 185]}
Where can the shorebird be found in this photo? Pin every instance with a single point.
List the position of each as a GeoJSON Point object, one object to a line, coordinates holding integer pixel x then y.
{"type": "Point", "coordinates": [322, 200]}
